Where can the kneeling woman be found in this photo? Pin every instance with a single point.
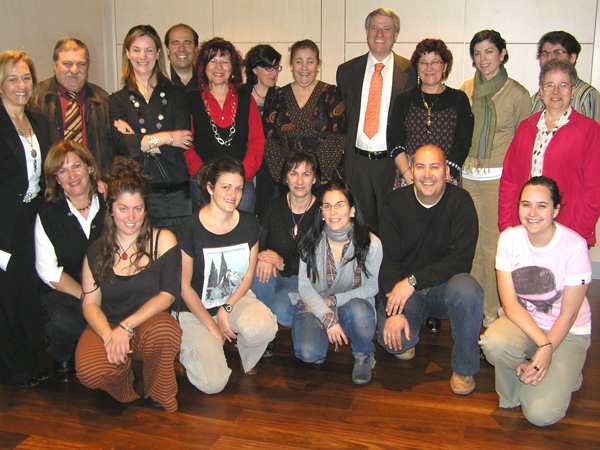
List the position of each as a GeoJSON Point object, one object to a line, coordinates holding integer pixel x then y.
{"type": "Point", "coordinates": [219, 247]}
{"type": "Point", "coordinates": [544, 271]}
{"type": "Point", "coordinates": [337, 283]}
{"type": "Point", "coordinates": [131, 275]}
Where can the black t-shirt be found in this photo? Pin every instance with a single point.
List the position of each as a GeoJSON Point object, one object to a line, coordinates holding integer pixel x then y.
{"type": "Point", "coordinates": [220, 260]}
{"type": "Point", "coordinates": [124, 295]}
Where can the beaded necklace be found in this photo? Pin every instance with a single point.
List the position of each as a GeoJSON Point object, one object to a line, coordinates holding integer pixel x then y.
{"type": "Point", "coordinates": [29, 140]}
{"type": "Point", "coordinates": [161, 114]}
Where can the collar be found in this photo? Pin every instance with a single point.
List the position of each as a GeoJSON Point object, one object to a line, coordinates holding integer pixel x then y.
{"type": "Point", "coordinates": [563, 120]}
{"type": "Point", "coordinates": [206, 94]}
{"type": "Point", "coordinates": [371, 61]}
{"type": "Point", "coordinates": [62, 92]}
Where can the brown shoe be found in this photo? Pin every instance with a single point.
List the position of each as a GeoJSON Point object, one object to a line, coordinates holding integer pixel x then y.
{"type": "Point", "coordinates": [408, 354]}
{"type": "Point", "coordinates": [462, 385]}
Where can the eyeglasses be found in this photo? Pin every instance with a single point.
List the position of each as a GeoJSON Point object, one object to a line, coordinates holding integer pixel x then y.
{"type": "Point", "coordinates": [436, 64]}
{"type": "Point", "coordinates": [337, 206]}
{"type": "Point", "coordinates": [556, 53]}
{"type": "Point", "coordinates": [272, 68]}
{"type": "Point", "coordinates": [562, 87]}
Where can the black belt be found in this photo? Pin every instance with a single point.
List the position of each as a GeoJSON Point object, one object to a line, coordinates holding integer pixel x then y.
{"type": "Point", "coordinates": [371, 155]}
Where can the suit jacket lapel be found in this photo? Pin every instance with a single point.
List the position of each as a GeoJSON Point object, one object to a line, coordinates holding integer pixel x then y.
{"type": "Point", "coordinates": [11, 137]}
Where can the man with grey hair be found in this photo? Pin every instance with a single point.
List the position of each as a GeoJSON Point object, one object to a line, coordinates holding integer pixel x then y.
{"type": "Point", "coordinates": [74, 108]}
{"type": "Point", "coordinates": [369, 84]}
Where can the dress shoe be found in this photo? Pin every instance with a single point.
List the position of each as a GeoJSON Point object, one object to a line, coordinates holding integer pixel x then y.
{"type": "Point", "coordinates": [433, 324]}
{"type": "Point", "coordinates": [270, 350]}
{"type": "Point", "coordinates": [363, 367]}
{"type": "Point", "coordinates": [32, 382]}
{"type": "Point", "coordinates": [408, 354]}
{"type": "Point", "coordinates": [64, 371]}
{"type": "Point", "coordinates": [462, 385]}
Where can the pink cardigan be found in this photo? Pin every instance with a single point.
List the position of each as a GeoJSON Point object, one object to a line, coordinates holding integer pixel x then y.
{"type": "Point", "coordinates": [572, 159]}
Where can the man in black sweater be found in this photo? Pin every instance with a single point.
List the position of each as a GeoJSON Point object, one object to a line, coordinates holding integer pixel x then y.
{"type": "Point", "coordinates": [429, 232]}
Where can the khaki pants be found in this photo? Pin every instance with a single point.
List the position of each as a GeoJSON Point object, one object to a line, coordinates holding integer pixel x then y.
{"type": "Point", "coordinates": [506, 346]}
{"type": "Point", "coordinates": [202, 354]}
{"type": "Point", "coordinates": [485, 197]}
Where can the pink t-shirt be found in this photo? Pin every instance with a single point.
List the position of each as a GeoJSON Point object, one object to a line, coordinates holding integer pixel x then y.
{"type": "Point", "coordinates": [541, 274]}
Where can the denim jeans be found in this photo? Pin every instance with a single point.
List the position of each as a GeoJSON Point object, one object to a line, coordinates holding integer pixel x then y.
{"type": "Point", "coordinates": [461, 299]}
{"type": "Point", "coordinates": [66, 323]}
{"type": "Point", "coordinates": [357, 318]}
{"type": "Point", "coordinates": [274, 294]}
{"type": "Point", "coordinates": [246, 204]}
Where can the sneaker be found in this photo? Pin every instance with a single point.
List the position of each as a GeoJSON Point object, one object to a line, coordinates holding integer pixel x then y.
{"type": "Point", "coordinates": [462, 385]}
{"type": "Point", "coordinates": [408, 354]}
{"type": "Point", "coordinates": [363, 367]}
{"type": "Point", "coordinates": [270, 350]}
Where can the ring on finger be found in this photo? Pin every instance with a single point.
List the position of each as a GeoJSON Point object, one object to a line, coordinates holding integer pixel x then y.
{"type": "Point", "coordinates": [537, 369]}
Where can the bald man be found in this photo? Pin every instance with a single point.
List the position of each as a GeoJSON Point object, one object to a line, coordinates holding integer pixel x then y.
{"type": "Point", "coordinates": [429, 232]}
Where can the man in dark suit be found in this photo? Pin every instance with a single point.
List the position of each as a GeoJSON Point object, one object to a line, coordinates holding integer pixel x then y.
{"type": "Point", "coordinates": [368, 168]}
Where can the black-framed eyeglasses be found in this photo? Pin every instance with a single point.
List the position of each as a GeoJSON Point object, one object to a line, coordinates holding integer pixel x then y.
{"type": "Point", "coordinates": [272, 68]}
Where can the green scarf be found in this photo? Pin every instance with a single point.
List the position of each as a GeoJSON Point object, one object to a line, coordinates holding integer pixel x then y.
{"type": "Point", "coordinates": [484, 112]}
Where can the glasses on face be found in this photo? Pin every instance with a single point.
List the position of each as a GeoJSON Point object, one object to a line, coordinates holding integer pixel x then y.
{"type": "Point", "coordinates": [436, 64]}
{"type": "Point", "coordinates": [337, 206]}
{"type": "Point", "coordinates": [562, 87]}
{"type": "Point", "coordinates": [557, 53]}
{"type": "Point", "coordinates": [273, 69]}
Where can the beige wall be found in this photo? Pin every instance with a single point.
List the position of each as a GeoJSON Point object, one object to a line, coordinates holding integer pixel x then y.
{"type": "Point", "coordinates": [337, 26]}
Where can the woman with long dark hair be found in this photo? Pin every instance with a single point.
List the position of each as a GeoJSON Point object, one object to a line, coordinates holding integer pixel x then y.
{"type": "Point", "coordinates": [337, 283]}
{"type": "Point", "coordinates": [131, 276]}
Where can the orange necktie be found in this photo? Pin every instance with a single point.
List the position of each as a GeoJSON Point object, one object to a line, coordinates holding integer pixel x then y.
{"type": "Point", "coordinates": [371, 126]}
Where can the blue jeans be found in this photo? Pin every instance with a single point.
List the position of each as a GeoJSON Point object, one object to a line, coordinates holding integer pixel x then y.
{"type": "Point", "coordinates": [357, 318]}
{"type": "Point", "coordinates": [246, 204]}
{"type": "Point", "coordinates": [461, 299]}
{"type": "Point", "coordinates": [274, 294]}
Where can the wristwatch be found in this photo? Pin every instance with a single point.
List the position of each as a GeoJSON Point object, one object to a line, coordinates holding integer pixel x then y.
{"type": "Point", "coordinates": [227, 307]}
{"type": "Point", "coordinates": [412, 281]}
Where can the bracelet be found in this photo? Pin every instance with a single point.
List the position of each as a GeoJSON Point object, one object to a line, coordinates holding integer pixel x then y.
{"type": "Point", "coordinates": [127, 328]}
{"type": "Point", "coordinates": [405, 170]}
{"type": "Point", "coordinates": [543, 345]}
{"type": "Point", "coordinates": [152, 142]}
{"type": "Point", "coordinates": [172, 138]}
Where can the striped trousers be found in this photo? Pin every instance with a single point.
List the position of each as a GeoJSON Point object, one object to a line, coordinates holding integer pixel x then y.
{"type": "Point", "coordinates": [156, 343]}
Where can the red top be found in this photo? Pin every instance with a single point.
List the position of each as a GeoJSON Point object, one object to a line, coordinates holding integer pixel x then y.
{"type": "Point", "coordinates": [223, 118]}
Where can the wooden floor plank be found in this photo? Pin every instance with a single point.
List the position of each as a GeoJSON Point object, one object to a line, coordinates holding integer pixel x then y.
{"type": "Point", "coordinates": [291, 405]}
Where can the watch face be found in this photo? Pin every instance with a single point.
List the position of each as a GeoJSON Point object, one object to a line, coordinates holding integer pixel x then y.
{"type": "Point", "coordinates": [227, 307]}
{"type": "Point", "coordinates": [412, 280]}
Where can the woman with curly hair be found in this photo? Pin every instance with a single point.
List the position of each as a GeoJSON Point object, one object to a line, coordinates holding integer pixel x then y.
{"type": "Point", "coordinates": [131, 276]}
{"type": "Point", "coordinates": [226, 120]}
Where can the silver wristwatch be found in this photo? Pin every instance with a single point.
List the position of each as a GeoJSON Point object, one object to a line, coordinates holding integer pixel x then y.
{"type": "Point", "coordinates": [412, 281]}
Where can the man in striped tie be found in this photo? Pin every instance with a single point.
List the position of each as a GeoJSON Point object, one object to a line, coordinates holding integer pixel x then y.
{"type": "Point", "coordinates": [76, 109]}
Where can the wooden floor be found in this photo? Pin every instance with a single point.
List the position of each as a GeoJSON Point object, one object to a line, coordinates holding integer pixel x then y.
{"type": "Point", "coordinates": [289, 404]}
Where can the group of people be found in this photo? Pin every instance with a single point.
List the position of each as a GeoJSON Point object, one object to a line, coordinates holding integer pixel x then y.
{"type": "Point", "coordinates": [191, 209]}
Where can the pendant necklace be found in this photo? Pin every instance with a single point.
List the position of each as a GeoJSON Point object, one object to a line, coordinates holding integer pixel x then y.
{"type": "Point", "coordinates": [124, 255]}
{"type": "Point", "coordinates": [29, 140]}
{"type": "Point", "coordinates": [259, 96]}
{"type": "Point", "coordinates": [294, 230]}
{"type": "Point", "coordinates": [428, 110]}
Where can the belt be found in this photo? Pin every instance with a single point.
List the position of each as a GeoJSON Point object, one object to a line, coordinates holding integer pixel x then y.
{"type": "Point", "coordinates": [371, 155]}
